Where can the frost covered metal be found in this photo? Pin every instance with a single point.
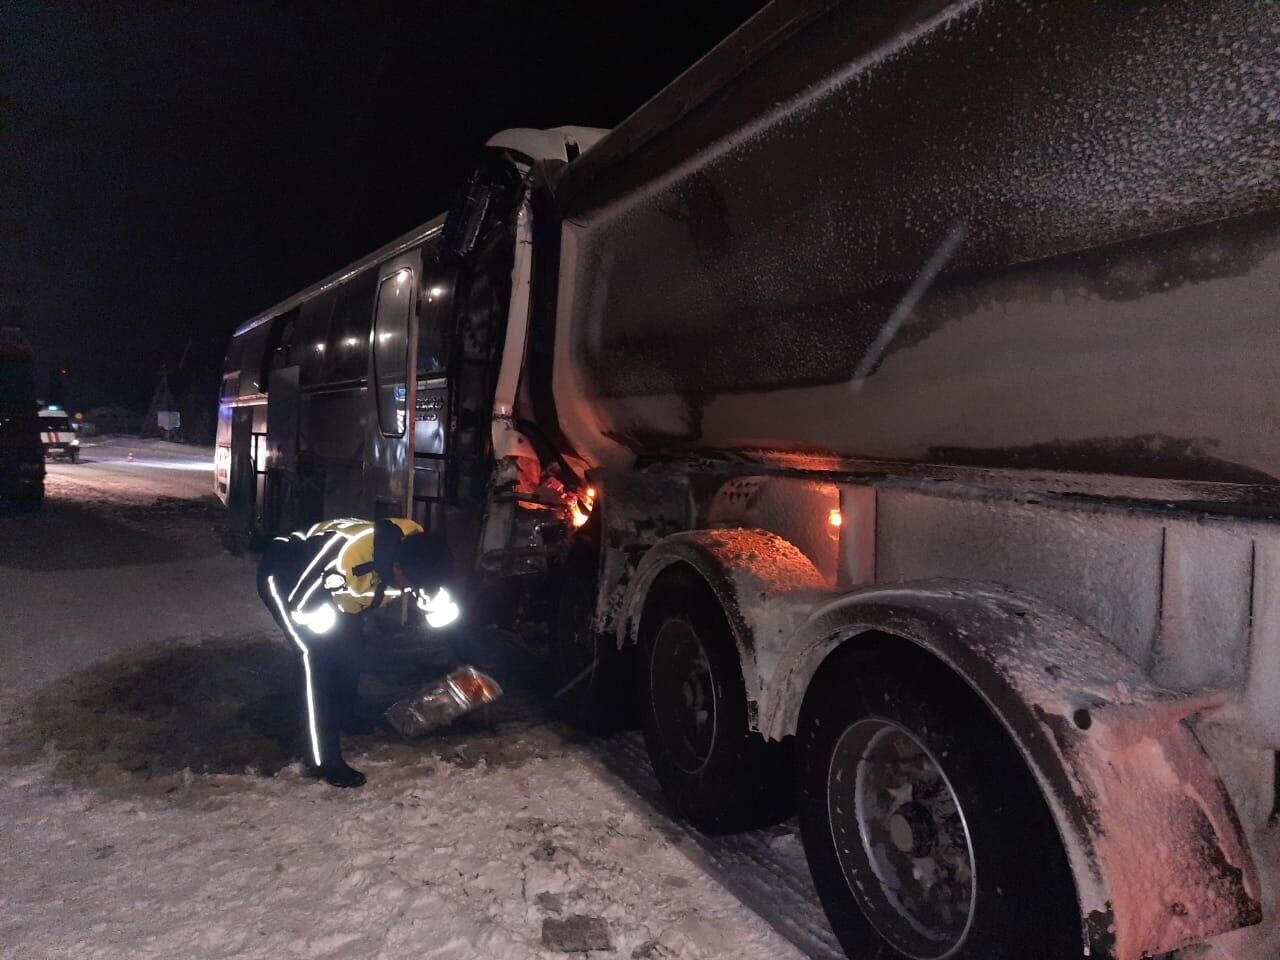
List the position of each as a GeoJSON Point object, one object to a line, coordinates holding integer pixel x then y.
{"type": "Point", "coordinates": [1116, 172]}
{"type": "Point", "coordinates": [1157, 849]}
{"type": "Point", "coordinates": [997, 282]}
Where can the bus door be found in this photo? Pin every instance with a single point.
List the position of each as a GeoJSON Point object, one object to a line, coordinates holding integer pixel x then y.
{"type": "Point", "coordinates": [280, 511]}
{"type": "Point", "coordinates": [276, 512]}
{"type": "Point", "coordinates": [431, 446]}
{"type": "Point", "coordinates": [390, 453]}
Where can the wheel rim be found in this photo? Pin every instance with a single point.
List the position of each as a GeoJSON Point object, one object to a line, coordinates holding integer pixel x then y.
{"type": "Point", "coordinates": [682, 692]}
{"type": "Point", "coordinates": [902, 839]}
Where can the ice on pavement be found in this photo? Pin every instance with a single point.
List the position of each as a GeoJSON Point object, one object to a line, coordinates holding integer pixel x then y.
{"type": "Point", "coordinates": [147, 811]}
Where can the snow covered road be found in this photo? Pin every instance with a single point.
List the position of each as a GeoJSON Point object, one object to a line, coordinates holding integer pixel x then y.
{"type": "Point", "coordinates": [149, 806]}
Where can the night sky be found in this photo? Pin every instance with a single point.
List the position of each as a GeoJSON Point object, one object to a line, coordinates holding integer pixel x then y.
{"type": "Point", "coordinates": [170, 170]}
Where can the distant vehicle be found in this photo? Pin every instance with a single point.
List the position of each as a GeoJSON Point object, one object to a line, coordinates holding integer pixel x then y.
{"type": "Point", "coordinates": [21, 458]}
{"type": "Point", "coordinates": [58, 434]}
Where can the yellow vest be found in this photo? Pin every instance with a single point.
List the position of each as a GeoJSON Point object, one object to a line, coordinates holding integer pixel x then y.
{"type": "Point", "coordinates": [356, 592]}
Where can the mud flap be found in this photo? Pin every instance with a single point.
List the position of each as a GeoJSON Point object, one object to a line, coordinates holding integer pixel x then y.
{"type": "Point", "coordinates": [1158, 854]}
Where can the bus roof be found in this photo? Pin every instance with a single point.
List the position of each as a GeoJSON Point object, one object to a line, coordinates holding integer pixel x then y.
{"type": "Point", "coordinates": [415, 236]}
{"type": "Point", "coordinates": [533, 143]}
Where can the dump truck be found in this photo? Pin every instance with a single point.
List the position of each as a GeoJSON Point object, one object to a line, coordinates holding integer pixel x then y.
{"type": "Point", "coordinates": [882, 418]}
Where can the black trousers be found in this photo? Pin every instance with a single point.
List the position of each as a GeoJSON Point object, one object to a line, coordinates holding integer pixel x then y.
{"type": "Point", "coordinates": [329, 664]}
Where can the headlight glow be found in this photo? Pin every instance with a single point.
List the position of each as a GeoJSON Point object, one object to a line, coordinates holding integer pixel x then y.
{"type": "Point", "coordinates": [440, 609]}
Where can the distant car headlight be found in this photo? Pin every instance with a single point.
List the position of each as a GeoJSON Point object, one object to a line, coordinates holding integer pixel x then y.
{"type": "Point", "coordinates": [440, 609]}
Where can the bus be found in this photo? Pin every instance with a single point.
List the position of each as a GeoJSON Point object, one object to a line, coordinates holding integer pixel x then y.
{"type": "Point", "coordinates": [369, 393]}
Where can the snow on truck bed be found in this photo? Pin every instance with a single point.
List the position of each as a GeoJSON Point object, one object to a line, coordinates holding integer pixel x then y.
{"type": "Point", "coordinates": [149, 805]}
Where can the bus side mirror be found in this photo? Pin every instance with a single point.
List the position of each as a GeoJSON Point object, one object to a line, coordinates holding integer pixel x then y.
{"type": "Point", "coordinates": [463, 223]}
{"type": "Point", "coordinates": [490, 188]}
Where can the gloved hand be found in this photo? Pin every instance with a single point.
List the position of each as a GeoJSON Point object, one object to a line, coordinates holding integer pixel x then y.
{"type": "Point", "coordinates": [318, 620]}
{"type": "Point", "coordinates": [439, 607]}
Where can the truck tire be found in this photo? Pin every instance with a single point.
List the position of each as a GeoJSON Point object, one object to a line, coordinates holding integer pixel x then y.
{"type": "Point", "coordinates": [590, 674]}
{"type": "Point", "coordinates": [74, 455]}
{"type": "Point", "coordinates": [925, 833]}
{"type": "Point", "coordinates": [719, 774]}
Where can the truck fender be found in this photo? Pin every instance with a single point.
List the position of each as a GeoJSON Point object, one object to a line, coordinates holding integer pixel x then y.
{"type": "Point", "coordinates": [1154, 842]}
{"type": "Point", "coordinates": [766, 586]}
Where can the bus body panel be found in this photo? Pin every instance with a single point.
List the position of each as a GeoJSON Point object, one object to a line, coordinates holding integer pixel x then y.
{"type": "Point", "coordinates": [304, 388]}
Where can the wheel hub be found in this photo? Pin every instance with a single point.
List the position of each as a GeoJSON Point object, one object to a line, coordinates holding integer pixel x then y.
{"type": "Point", "coordinates": [902, 839]}
{"type": "Point", "coordinates": [683, 695]}
{"type": "Point", "coordinates": [912, 830]}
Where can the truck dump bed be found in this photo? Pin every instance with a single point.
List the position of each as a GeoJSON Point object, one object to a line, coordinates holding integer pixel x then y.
{"type": "Point", "coordinates": [1039, 237]}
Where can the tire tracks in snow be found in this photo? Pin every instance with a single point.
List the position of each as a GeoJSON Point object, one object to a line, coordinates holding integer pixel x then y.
{"type": "Point", "coordinates": [764, 869]}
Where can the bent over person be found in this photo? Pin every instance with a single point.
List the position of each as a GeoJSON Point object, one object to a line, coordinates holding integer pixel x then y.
{"type": "Point", "coordinates": [319, 586]}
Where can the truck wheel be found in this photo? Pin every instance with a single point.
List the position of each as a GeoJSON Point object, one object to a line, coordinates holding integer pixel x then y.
{"type": "Point", "coordinates": [926, 836]}
{"type": "Point", "coordinates": [591, 689]}
{"type": "Point", "coordinates": [74, 455]}
{"type": "Point", "coordinates": [719, 774]}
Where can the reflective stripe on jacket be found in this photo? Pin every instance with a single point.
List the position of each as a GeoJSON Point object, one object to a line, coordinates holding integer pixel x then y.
{"type": "Point", "coordinates": [342, 564]}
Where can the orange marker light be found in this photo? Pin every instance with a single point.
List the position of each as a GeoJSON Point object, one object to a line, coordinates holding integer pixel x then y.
{"type": "Point", "coordinates": [580, 505]}
{"type": "Point", "coordinates": [835, 518]}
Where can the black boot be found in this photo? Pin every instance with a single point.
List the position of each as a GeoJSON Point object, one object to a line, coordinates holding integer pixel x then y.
{"type": "Point", "coordinates": [337, 773]}
{"type": "Point", "coordinates": [333, 678]}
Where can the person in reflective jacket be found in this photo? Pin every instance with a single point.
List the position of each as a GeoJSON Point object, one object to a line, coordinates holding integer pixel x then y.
{"type": "Point", "coordinates": [319, 585]}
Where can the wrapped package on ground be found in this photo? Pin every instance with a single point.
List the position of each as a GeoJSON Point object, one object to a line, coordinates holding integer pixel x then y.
{"type": "Point", "coordinates": [443, 701]}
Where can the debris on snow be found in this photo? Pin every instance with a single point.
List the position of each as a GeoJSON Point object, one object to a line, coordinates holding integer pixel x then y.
{"type": "Point", "coordinates": [576, 934]}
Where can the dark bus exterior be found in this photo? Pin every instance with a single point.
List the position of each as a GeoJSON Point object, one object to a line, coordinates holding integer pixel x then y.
{"type": "Point", "coordinates": [370, 393]}
{"type": "Point", "coordinates": [334, 362]}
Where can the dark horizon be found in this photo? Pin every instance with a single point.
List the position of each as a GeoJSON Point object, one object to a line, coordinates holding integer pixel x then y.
{"type": "Point", "coordinates": [174, 171]}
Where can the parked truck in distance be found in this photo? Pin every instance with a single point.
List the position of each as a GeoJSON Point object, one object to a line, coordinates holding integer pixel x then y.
{"type": "Point", "coordinates": [21, 451]}
{"type": "Point", "coordinates": [883, 415]}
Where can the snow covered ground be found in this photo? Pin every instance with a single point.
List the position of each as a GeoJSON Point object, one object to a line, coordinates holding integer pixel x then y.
{"type": "Point", "coordinates": [149, 806]}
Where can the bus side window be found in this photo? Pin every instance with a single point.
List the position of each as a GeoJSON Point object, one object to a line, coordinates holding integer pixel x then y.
{"type": "Point", "coordinates": [391, 348]}
{"type": "Point", "coordinates": [281, 352]}
{"type": "Point", "coordinates": [253, 348]}
{"type": "Point", "coordinates": [435, 319]}
{"type": "Point", "coordinates": [311, 338]}
{"type": "Point", "coordinates": [231, 369]}
{"type": "Point", "coordinates": [348, 351]}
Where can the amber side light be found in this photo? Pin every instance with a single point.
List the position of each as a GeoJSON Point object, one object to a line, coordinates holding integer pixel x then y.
{"type": "Point", "coordinates": [835, 518]}
{"type": "Point", "coordinates": [476, 689]}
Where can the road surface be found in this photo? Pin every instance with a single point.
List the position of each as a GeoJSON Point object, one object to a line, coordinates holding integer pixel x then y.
{"type": "Point", "coordinates": [150, 805]}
